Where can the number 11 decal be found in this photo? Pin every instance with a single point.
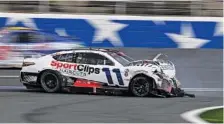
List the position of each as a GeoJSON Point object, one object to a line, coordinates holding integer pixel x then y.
{"type": "Point", "coordinates": [109, 77]}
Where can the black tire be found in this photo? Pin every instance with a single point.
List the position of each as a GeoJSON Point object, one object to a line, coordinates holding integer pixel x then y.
{"type": "Point", "coordinates": [51, 81]}
{"type": "Point", "coordinates": [140, 86]}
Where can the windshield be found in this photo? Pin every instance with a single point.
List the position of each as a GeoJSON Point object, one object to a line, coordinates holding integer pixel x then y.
{"type": "Point", "coordinates": [161, 57]}
{"type": "Point", "coordinates": [121, 58]}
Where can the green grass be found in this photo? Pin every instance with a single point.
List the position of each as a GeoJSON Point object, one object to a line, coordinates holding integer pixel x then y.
{"type": "Point", "coordinates": [213, 116]}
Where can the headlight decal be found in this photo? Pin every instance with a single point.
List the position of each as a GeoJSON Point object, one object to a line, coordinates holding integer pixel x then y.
{"type": "Point", "coordinates": [166, 85]}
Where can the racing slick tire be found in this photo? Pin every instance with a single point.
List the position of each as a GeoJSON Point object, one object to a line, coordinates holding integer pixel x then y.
{"type": "Point", "coordinates": [140, 86]}
{"type": "Point", "coordinates": [51, 81]}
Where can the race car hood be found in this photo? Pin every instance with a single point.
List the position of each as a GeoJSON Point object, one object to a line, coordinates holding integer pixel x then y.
{"type": "Point", "coordinates": [165, 66]}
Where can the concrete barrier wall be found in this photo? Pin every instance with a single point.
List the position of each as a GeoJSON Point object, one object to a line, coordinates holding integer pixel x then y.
{"type": "Point", "coordinates": [126, 31]}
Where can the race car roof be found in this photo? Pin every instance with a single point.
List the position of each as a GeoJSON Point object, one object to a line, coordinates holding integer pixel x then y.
{"type": "Point", "coordinates": [7, 30]}
{"type": "Point", "coordinates": [97, 49]}
{"type": "Point", "coordinates": [85, 49]}
{"type": "Point", "coordinates": [14, 28]}
{"type": "Point", "coordinates": [18, 28]}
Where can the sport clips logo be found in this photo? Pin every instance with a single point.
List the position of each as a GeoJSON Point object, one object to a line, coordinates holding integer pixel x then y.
{"type": "Point", "coordinates": [79, 67]}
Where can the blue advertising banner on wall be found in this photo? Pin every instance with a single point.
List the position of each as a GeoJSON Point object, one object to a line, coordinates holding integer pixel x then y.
{"type": "Point", "coordinates": [126, 31]}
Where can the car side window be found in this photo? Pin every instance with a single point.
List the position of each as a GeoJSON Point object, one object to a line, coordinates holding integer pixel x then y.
{"type": "Point", "coordinates": [12, 38]}
{"type": "Point", "coordinates": [19, 37]}
{"type": "Point", "coordinates": [67, 57]}
{"type": "Point", "coordinates": [36, 37]}
{"type": "Point", "coordinates": [93, 59]}
{"type": "Point", "coordinates": [23, 37]}
{"type": "Point", "coordinates": [49, 38]}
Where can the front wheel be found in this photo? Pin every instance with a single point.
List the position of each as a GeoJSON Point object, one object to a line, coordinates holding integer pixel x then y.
{"type": "Point", "coordinates": [140, 86]}
{"type": "Point", "coordinates": [51, 81]}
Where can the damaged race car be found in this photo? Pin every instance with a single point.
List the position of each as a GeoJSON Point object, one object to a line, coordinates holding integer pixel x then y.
{"type": "Point", "coordinates": [101, 71]}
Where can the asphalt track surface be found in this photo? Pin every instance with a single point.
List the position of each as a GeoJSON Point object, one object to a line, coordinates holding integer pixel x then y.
{"type": "Point", "coordinates": [196, 69]}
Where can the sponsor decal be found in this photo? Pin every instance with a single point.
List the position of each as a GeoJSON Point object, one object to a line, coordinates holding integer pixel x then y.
{"type": "Point", "coordinates": [59, 65]}
{"type": "Point", "coordinates": [88, 69]}
{"type": "Point", "coordinates": [86, 83]}
{"type": "Point", "coordinates": [126, 73]}
{"type": "Point", "coordinates": [73, 72]}
{"type": "Point", "coordinates": [75, 67]}
{"type": "Point", "coordinates": [117, 71]}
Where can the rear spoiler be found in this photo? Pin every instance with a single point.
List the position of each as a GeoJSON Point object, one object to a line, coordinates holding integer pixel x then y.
{"type": "Point", "coordinates": [28, 62]}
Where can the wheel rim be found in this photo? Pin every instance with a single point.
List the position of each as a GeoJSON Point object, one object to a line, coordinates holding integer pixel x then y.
{"type": "Point", "coordinates": [50, 80]}
{"type": "Point", "coordinates": [141, 87]}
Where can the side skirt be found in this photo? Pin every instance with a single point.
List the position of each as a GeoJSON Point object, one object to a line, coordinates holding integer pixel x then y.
{"type": "Point", "coordinates": [90, 90]}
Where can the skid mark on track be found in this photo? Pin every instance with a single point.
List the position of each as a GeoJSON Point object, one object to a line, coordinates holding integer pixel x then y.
{"type": "Point", "coordinates": [30, 117]}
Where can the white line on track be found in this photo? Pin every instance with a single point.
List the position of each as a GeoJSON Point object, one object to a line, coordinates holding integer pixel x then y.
{"type": "Point", "coordinates": [193, 115]}
{"type": "Point", "coordinates": [9, 76]}
{"type": "Point", "coordinates": [204, 89]}
{"type": "Point", "coordinates": [11, 87]}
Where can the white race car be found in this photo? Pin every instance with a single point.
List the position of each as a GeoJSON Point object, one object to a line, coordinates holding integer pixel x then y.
{"type": "Point", "coordinates": [101, 71]}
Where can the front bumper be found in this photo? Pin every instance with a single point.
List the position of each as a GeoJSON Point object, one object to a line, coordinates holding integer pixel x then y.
{"type": "Point", "coordinates": [175, 92]}
{"type": "Point", "coordinates": [170, 87]}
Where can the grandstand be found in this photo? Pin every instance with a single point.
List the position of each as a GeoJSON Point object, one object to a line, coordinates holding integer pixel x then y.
{"type": "Point", "coordinates": [212, 8]}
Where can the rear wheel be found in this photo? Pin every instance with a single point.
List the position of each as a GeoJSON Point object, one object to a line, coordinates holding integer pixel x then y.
{"type": "Point", "coordinates": [141, 86]}
{"type": "Point", "coordinates": [51, 81]}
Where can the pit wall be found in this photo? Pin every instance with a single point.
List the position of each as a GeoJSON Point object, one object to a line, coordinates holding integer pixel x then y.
{"type": "Point", "coordinates": [126, 31]}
